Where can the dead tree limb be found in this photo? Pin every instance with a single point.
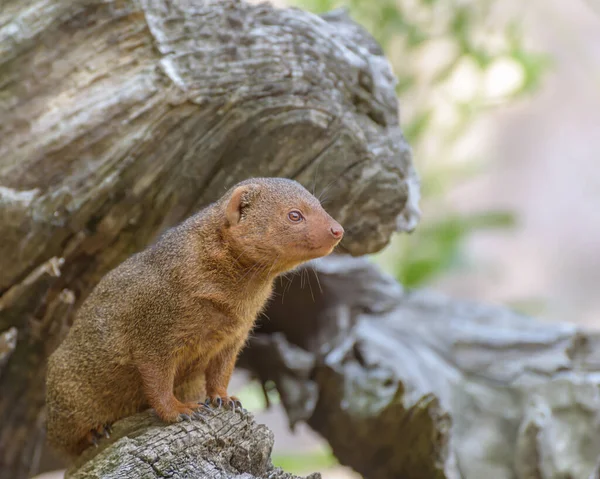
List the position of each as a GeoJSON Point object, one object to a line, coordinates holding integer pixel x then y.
{"type": "Point", "coordinates": [119, 118]}
{"type": "Point", "coordinates": [225, 445]}
{"type": "Point", "coordinates": [415, 385]}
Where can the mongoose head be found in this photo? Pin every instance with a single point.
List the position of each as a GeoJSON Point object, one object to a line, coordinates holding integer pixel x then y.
{"type": "Point", "coordinates": [278, 223]}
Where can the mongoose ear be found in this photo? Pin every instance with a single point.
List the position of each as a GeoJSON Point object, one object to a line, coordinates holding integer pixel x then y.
{"type": "Point", "coordinates": [241, 198]}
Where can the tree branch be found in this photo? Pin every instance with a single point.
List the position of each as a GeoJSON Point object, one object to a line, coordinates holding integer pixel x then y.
{"type": "Point", "coordinates": [225, 445]}
{"type": "Point", "coordinates": [414, 384]}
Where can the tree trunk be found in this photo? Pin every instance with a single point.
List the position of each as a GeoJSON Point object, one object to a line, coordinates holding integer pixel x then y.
{"type": "Point", "coordinates": [414, 385]}
{"type": "Point", "coordinates": [224, 445]}
{"type": "Point", "coordinates": [120, 118]}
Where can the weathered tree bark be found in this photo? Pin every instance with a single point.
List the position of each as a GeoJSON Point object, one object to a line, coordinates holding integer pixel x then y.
{"type": "Point", "coordinates": [225, 445]}
{"type": "Point", "coordinates": [415, 385]}
{"type": "Point", "coordinates": [119, 118]}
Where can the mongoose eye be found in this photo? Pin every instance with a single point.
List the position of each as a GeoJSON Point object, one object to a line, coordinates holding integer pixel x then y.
{"type": "Point", "coordinates": [295, 216]}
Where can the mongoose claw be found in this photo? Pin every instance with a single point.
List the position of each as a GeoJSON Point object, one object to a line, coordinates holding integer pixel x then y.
{"type": "Point", "coordinates": [215, 401]}
{"type": "Point", "coordinates": [198, 415]}
{"type": "Point", "coordinates": [185, 417]}
{"type": "Point", "coordinates": [226, 402]}
{"type": "Point", "coordinates": [235, 404]}
{"type": "Point", "coordinates": [206, 407]}
{"type": "Point", "coordinates": [243, 411]}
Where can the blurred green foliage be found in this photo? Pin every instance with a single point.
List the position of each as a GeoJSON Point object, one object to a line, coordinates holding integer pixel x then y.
{"type": "Point", "coordinates": [454, 61]}
{"type": "Point", "coordinates": [305, 463]}
{"type": "Point", "coordinates": [437, 247]}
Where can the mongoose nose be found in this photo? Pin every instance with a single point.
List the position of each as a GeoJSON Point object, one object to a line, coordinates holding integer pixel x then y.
{"type": "Point", "coordinates": [337, 231]}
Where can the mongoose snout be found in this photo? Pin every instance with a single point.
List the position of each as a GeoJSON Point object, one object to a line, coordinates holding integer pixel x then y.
{"type": "Point", "coordinates": [337, 231]}
{"type": "Point", "coordinates": [164, 328]}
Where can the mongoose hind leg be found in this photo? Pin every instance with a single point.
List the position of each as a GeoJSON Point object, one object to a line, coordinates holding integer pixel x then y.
{"type": "Point", "coordinates": [100, 432]}
{"type": "Point", "coordinates": [77, 439]}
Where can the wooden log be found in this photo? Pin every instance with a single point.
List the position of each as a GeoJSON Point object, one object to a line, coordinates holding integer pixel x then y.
{"type": "Point", "coordinates": [223, 445]}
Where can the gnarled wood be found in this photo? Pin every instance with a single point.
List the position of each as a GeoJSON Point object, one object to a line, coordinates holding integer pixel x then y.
{"type": "Point", "coordinates": [224, 445]}
{"type": "Point", "coordinates": [415, 385]}
{"type": "Point", "coordinates": [120, 118]}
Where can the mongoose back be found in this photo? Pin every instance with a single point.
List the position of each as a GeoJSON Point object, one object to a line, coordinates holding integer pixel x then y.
{"type": "Point", "coordinates": [163, 329]}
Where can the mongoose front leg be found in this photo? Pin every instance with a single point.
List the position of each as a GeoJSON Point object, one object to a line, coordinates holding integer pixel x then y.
{"type": "Point", "coordinates": [218, 374]}
{"type": "Point", "coordinates": [158, 384]}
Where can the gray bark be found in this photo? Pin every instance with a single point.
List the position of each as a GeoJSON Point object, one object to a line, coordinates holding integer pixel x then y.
{"type": "Point", "coordinates": [119, 118]}
{"type": "Point", "coordinates": [224, 445]}
{"type": "Point", "coordinates": [413, 384]}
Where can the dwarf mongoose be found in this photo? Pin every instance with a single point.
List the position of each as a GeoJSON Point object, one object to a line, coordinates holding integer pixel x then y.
{"type": "Point", "coordinates": [164, 328]}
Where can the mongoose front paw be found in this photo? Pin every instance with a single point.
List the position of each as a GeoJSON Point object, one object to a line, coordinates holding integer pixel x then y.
{"type": "Point", "coordinates": [229, 402]}
{"type": "Point", "coordinates": [180, 412]}
{"type": "Point", "coordinates": [199, 411]}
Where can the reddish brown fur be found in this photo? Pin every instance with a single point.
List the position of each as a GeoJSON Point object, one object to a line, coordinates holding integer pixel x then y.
{"type": "Point", "coordinates": [176, 315]}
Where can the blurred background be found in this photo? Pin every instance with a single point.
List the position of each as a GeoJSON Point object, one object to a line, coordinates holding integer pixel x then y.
{"type": "Point", "coordinates": [501, 104]}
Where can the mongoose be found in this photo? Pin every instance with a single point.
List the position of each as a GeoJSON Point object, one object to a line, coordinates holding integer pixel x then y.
{"type": "Point", "coordinates": [163, 329]}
